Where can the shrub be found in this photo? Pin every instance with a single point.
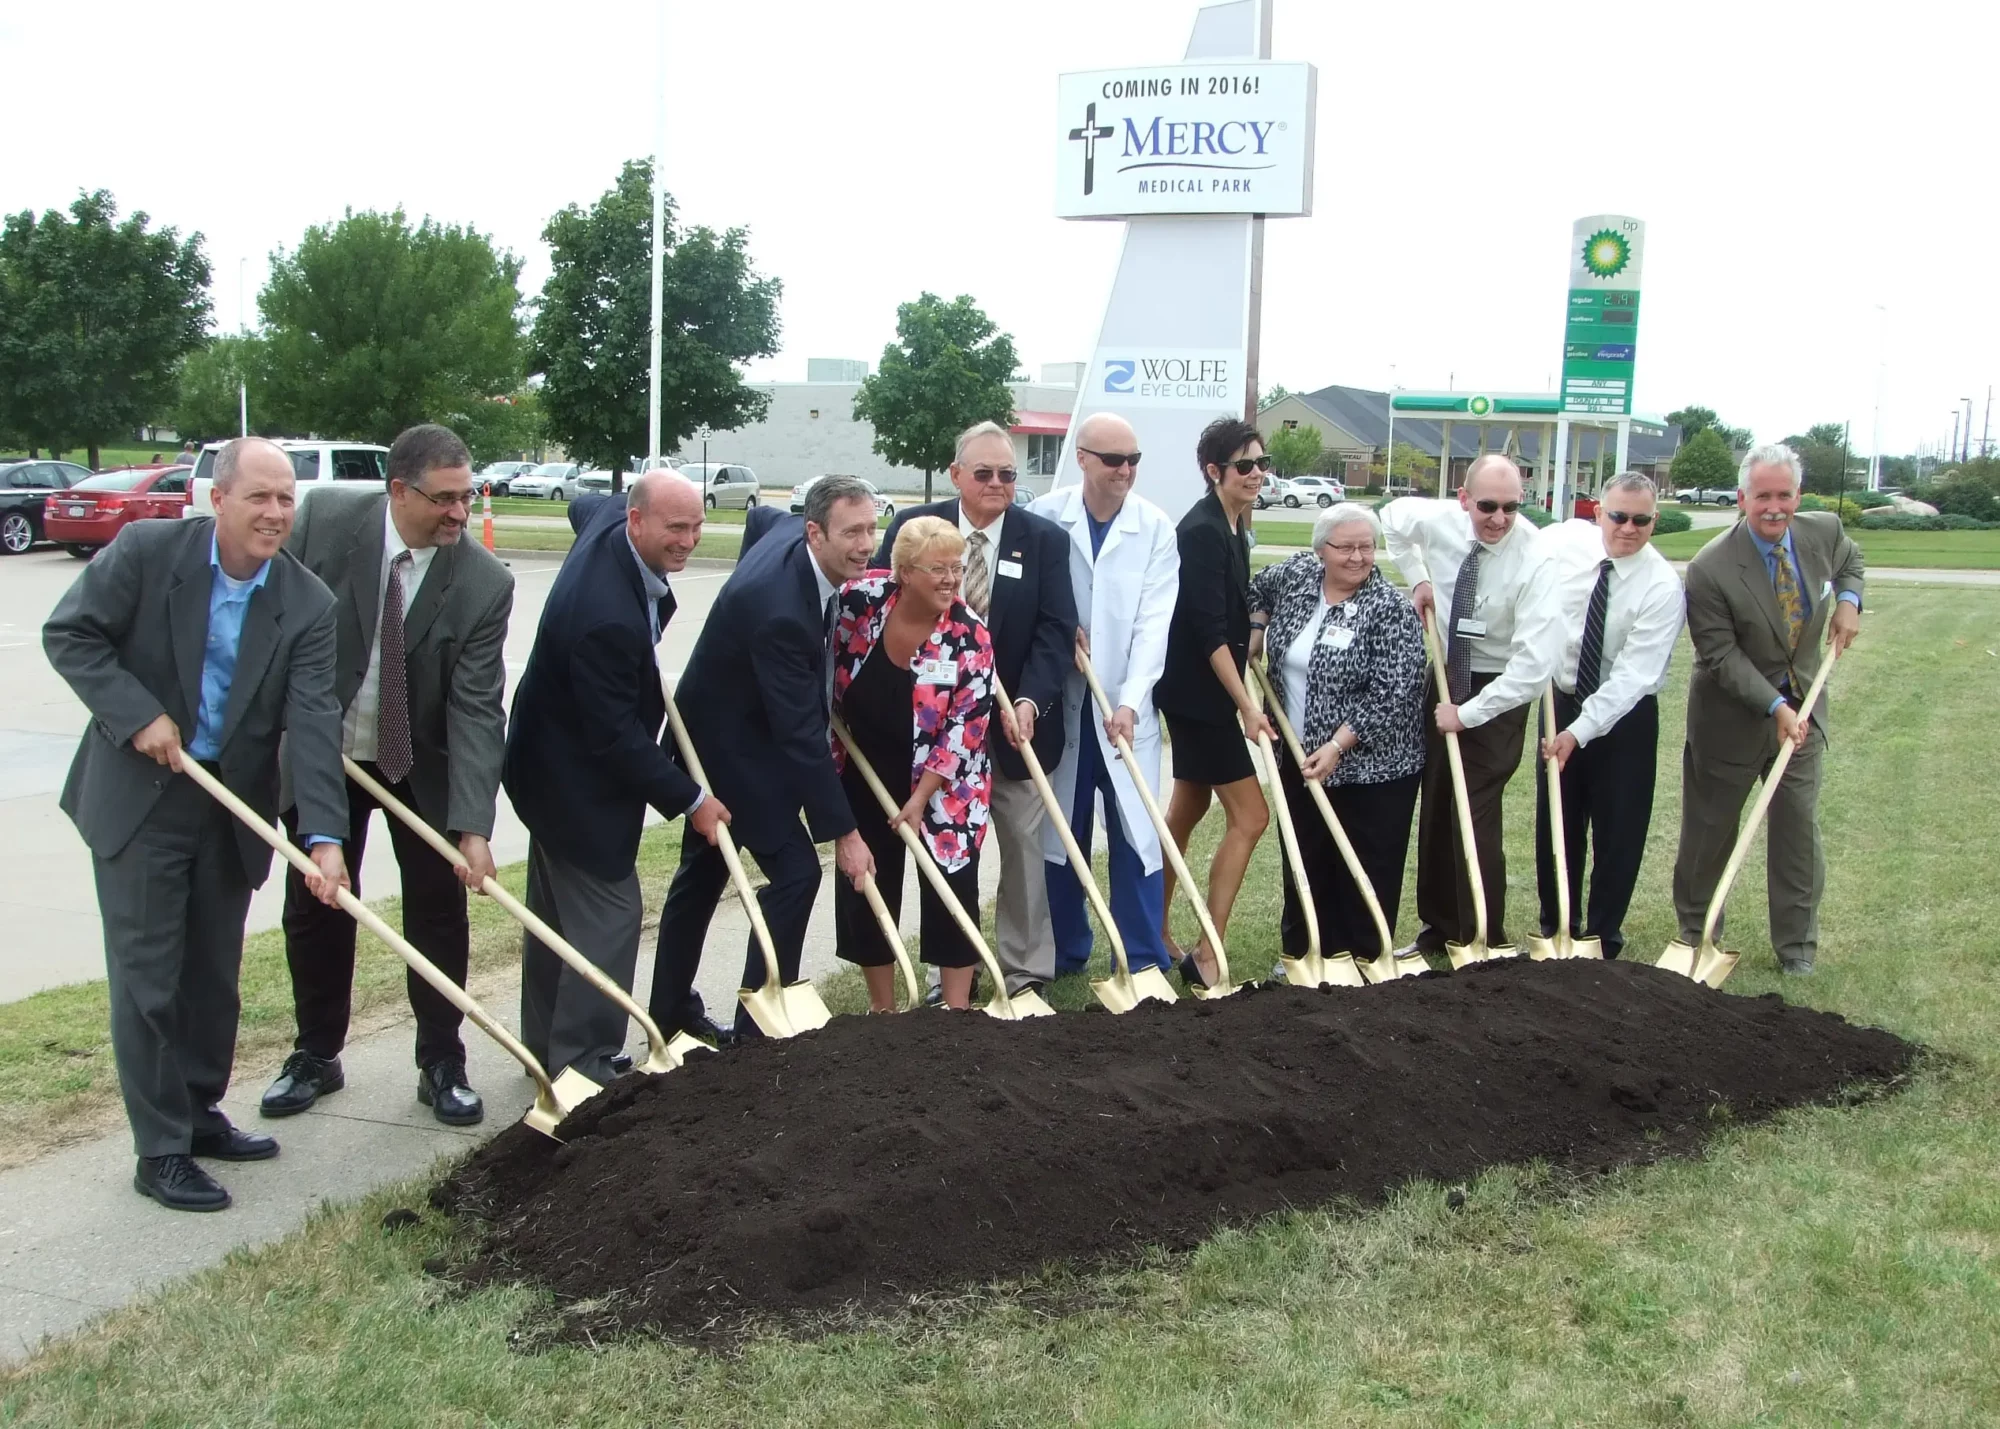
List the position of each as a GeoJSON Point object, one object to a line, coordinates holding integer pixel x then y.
{"type": "Point", "coordinates": [1870, 500]}
{"type": "Point", "coordinates": [1536, 515]}
{"type": "Point", "coordinates": [1900, 521]}
{"type": "Point", "coordinates": [1672, 519]}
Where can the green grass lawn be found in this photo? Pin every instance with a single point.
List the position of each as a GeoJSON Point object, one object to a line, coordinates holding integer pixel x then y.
{"type": "Point", "coordinates": [1922, 550]}
{"type": "Point", "coordinates": [1836, 1266]}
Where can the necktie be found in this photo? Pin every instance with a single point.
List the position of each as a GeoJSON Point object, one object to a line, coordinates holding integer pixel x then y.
{"type": "Point", "coordinates": [1791, 603]}
{"type": "Point", "coordinates": [1458, 649]}
{"type": "Point", "coordinates": [832, 618]}
{"type": "Point", "coordinates": [392, 715]}
{"type": "Point", "coordinates": [1590, 658]}
{"type": "Point", "coordinates": [978, 577]}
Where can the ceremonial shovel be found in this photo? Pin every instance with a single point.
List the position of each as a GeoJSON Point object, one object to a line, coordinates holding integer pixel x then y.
{"type": "Point", "coordinates": [1004, 1006]}
{"type": "Point", "coordinates": [1708, 963]}
{"type": "Point", "coordinates": [1562, 945]}
{"type": "Point", "coordinates": [1124, 989]}
{"type": "Point", "coordinates": [895, 937]}
{"type": "Point", "coordinates": [778, 1009]}
{"type": "Point", "coordinates": [1222, 986]}
{"type": "Point", "coordinates": [1475, 951]}
{"type": "Point", "coordinates": [553, 1100]}
{"type": "Point", "coordinates": [1384, 966]}
{"type": "Point", "coordinates": [661, 1055]}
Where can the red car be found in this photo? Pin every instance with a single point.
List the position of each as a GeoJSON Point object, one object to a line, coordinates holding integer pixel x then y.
{"type": "Point", "coordinates": [89, 514]}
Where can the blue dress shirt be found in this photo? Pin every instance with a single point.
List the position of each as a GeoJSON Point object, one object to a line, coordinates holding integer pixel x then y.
{"type": "Point", "coordinates": [1769, 551]}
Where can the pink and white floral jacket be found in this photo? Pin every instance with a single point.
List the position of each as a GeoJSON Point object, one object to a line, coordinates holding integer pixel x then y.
{"type": "Point", "coordinates": [949, 720]}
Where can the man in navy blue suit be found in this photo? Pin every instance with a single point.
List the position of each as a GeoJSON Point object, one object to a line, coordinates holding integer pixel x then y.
{"type": "Point", "coordinates": [1017, 581]}
{"type": "Point", "coordinates": [758, 686]}
{"type": "Point", "coordinates": [584, 759]}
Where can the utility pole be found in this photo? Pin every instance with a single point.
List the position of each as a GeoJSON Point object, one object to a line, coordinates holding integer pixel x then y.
{"type": "Point", "coordinates": [1965, 436]}
{"type": "Point", "coordinates": [1986, 427]}
{"type": "Point", "coordinates": [242, 382]}
{"type": "Point", "coordinates": [1953, 448]}
{"type": "Point", "coordinates": [1881, 375]}
{"type": "Point", "coordinates": [659, 248]}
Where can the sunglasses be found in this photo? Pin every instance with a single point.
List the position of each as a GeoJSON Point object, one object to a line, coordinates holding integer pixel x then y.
{"type": "Point", "coordinates": [953, 572]}
{"type": "Point", "coordinates": [1619, 518]}
{"type": "Point", "coordinates": [1114, 460]}
{"type": "Point", "coordinates": [1489, 506]}
{"type": "Point", "coordinates": [1246, 464]}
{"type": "Point", "coordinates": [985, 475]}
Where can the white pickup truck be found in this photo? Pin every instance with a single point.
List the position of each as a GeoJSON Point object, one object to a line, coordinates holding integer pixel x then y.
{"type": "Point", "coordinates": [314, 463]}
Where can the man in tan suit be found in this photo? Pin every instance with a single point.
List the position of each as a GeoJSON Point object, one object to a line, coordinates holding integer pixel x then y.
{"type": "Point", "coordinates": [1759, 600]}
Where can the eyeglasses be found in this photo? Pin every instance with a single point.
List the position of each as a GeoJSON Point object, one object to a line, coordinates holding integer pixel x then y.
{"type": "Point", "coordinates": [1366, 548]}
{"type": "Point", "coordinates": [1641, 519]}
{"type": "Point", "coordinates": [1114, 460]}
{"type": "Point", "coordinates": [1246, 464]}
{"type": "Point", "coordinates": [985, 474]}
{"type": "Point", "coordinates": [1488, 506]}
{"type": "Point", "coordinates": [441, 498]}
{"type": "Point", "coordinates": [952, 572]}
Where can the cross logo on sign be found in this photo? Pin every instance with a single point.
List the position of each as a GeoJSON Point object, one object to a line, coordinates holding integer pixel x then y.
{"type": "Point", "coordinates": [1090, 132]}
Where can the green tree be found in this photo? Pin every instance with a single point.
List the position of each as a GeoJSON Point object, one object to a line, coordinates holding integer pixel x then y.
{"type": "Point", "coordinates": [372, 326]}
{"type": "Point", "coordinates": [95, 316]}
{"type": "Point", "coordinates": [946, 370]}
{"type": "Point", "coordinates": [1408, 466]}
{"type": "Point", "coordinates": [500, 428]}
{"type": "Point", "coordinates": [1703, 419]}
{"type": "Point", "coordinates": [1274, 394]}
{"type": "Point", "coordinates": [207, 405]}
{"type": "Point", "coordinates": [1294, 451]}
{"type": "Point", "coordinates": [593, 330]}
{"type": "Point", "coordinates": [1822, 450]}
{"type": "Point", "coordinates": [1704, 462]}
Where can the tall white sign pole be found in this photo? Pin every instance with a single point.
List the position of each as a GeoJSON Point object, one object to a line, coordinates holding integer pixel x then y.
{"type": "Point", "coordinates": [659, 242]}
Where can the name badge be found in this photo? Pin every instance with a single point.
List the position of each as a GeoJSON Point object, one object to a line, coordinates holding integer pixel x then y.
{"type": "Point", "coordinates": [937, 672]}
{"type": "Point", "coordinates": [1010, 569]}
{"type": "Point", "coordinates": [1472, 629]}
{"type": "Point", "coordinates": [1338, 638]}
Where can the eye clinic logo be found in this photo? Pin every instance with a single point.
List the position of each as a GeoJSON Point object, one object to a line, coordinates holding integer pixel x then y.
{"type": "Point", "coordinates": [1197, 377]}
{"type": "Point", "coordinates": [1118, 374]}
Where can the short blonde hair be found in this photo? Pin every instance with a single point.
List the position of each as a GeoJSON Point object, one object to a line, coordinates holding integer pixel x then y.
{"type": "Point", "coordinates": [920, 536]}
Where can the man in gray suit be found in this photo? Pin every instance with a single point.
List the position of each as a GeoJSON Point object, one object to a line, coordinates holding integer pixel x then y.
{"type": "Point", "coordinates": [422, 618]}
{"type": "Point", "coordinates": [1759, 601]}
{"type": "Point", "coordinates": [200, 640]}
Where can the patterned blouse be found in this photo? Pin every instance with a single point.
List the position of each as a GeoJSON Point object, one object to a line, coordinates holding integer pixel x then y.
{"type": "Point", "coordinates": [949, 720]}
{"type": "Point", "coordinates": [1372, 681]}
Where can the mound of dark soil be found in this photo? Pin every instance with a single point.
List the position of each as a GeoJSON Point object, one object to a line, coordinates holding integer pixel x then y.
{"type": "Point", "coordinates": [885, 1157]}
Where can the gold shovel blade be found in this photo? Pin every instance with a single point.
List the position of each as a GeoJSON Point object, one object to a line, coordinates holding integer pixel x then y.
{"type": "Point", "coordinates": [1021, 1004]}
{"type": "Point", "coordinates": [1678, 958]}
{"type": "Point", "coordinates": [544, 1119]}
{"type": "Point", "coordinates": [1343, 971]}
{"type": "Point", "coordinates": [1151, 984]}
{"type": "Point", "coordinates": [1115, 993]}
{"type": "Point", "coordinates": [766, 1006]}
{"type": "Point", "coordinates": [678, 1049]}
{"type": "Point", "coordinates": [1503, 950]}
{"type": "Point", "coordinates": [1308, 971]}
{"type": "Point", "coordinates": [806, 1008]}
{"type": "Point", "coordinates": [1221, 989]}
{"type": "Point", "coordinates": [1542, 949]}
{"type": "Point", "coordinates": [1464, 955]}
{"type": "Point", "coordinates": [1715, 966]}
{"type": "Point", "coordinates": [1585, 948]}
{"type": "Point", "coordinates": [573, 1089]}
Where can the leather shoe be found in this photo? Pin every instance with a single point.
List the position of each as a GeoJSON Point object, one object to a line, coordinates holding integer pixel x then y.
{"type": "Point", "coordinates": [1797, 967]}
{"type": "Point", "coordinates": [704, 1028]}
{"type": "Point", "coordinates": [441, 1087]}
{"type": "Point", "coordinates": [235, 1144]}
{"type": "Point", "coordinates": [303, 1080]}
{"type": "Point", "coordinates": [621, 1063]}
{"type": "Point", "coordinates": [178, 1184]}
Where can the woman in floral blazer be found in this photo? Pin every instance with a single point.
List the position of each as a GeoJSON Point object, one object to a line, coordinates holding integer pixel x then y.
{"type": "Point", "coordinates": [913, 681]}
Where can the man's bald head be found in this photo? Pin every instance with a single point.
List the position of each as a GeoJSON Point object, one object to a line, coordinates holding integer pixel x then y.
{"type": "Point", "coordinates": [1107, 431]}
{"type": "Point", "coordinates": [253, 496]}
{"type": "Point", "coordinates": [663, 515]}
{"type": "Point", "coordinates": [663, 485]}
{"type": "Point", "coordinates": [257, 454]}
{"type": "Point", "coordinates": [1492, 493]}
{"type": "Point", "coordinates": [1107, 449]}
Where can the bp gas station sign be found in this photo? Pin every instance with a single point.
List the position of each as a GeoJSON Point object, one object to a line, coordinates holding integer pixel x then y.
{"type": "Point", "coordinates": [1600, 332]}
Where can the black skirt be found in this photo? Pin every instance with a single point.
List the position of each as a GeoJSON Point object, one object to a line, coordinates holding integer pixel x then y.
{"type": "Point", "coordinates": [1211, 754]}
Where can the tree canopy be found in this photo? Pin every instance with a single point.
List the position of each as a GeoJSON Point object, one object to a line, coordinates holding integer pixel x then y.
{"type": "Point", "coordinates": [592, 333]}
{"type": "Point", "coordinates": [1294, 451]}
{"type": "Point", "coordinates": [95, 317]}
{"type": "Point", "coordinates": [1704, 462]}
{"type": "Point", "coordinates": [1822, 450]}
{"type": "Point", "coordinates": [1272, 395]}
{"type": "Point", "coordinates": [1703, 419]}
{"type": "Point", "coordinates": [946, 370]}
{"type": "Point", "coordinates": [373, 326]}
{"type": "Point", "coordinates": [207, 405]}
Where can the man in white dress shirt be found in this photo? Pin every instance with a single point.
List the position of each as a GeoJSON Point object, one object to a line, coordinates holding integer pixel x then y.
{"type": "Point", "coordinates": [1619, 611]}
{"type": "Point", "coordinates": [1476, 564]}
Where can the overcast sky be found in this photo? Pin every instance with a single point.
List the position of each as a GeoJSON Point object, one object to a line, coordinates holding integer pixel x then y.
{"type": "Point", "coordinates": [1797, 165]}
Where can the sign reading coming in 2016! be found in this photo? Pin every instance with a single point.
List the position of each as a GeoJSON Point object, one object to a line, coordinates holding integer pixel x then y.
{"type": "Point", "coordinates": [1602, 330]}
{"type": "Point", "coordinates": [1234, 137]}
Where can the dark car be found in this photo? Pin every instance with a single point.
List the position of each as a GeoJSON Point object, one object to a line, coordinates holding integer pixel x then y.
{"type": "Point", "coordinates": [24, 490]}
{"type": "Point", "coordinates": [95, 509]}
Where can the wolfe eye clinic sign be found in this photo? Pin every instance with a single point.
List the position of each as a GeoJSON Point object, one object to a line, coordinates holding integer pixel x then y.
{"type": "Point", "coordinates": [1601, 330]}
{"type": "Point", "coordinates": [1231, 137]}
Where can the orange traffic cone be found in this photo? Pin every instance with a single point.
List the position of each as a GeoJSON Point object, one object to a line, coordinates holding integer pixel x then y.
{"type": "Point", "coordinates": [486, 513]}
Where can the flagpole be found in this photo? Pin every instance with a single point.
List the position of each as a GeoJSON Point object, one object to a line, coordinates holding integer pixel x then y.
{"type": "Point", "coordinates": [659, 240]}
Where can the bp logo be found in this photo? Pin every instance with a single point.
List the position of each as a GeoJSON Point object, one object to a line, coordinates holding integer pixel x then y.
{"type": "Point", "coordinates": [1479, 406]}
{"type": "Point", "coordinates": [1605, 254]}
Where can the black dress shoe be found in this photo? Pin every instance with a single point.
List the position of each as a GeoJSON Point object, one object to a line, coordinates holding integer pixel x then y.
{"type": "Point", "coordinates": [235, 1144]}
{"type": "Point", "coordinates": [303, 1080]}
{"type": "Point", "coordinates": [178, 1184]}
{"type": "Point", "coordinates": [621, 1063]}
{"type": "Point", "coordinates": [441, 1087]}
{"type": "Point", "coordinates": [704, 1028]}
{"type": "Point", "coordinates": [1190, 972]}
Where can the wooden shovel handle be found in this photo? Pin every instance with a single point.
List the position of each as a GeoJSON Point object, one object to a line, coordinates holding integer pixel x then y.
{"type": "Point", "coordinates": [1435, 644]}
{"type": "Point", "coordinates": [1556, 830]}
{"type": "Point", "coordinates": [1288, 840]}
{"type": "Point", "coordinates": [890, 931]}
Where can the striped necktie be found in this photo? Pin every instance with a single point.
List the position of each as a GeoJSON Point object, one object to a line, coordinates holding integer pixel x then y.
{"type": "Point", "coordinates": [1458, 649]}
{"type": "Point", "coordinates": [978, 575]}
{"type": "Point", "coordinates": [1590, 657]}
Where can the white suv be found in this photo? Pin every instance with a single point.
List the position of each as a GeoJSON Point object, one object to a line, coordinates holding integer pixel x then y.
{"type": "Point", "coordinates": [723, 484]}
{"type": "Point", "coordinates": [315, 464]}
{"type": "Point", "coordinates": [1314, 491]}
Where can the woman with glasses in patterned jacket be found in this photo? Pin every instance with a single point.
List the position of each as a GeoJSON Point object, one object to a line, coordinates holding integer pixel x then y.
{"type": "Point", "coordinates": [1346, 658]}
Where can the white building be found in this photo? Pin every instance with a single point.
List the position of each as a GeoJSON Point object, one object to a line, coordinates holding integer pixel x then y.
{"type": "Point", "coordinates": [810, 429]}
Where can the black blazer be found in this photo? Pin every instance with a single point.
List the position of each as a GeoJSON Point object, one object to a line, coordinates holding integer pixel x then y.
{"type": "Point", "coordinates": [1213, 609]}
{"type": "Point", "coordinates": [1031, 617]}
{"type": "Point", "coordinates": [754, 693]}
{"type": "Point", "coordinates": [584, 757]}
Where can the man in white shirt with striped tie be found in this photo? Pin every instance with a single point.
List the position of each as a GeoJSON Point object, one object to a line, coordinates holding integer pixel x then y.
{"type": "Point", "coordinates": [1619, 610]}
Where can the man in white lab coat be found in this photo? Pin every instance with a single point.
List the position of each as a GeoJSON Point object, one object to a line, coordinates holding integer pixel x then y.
{"type": "Point", "coordinates": [1125, 570]}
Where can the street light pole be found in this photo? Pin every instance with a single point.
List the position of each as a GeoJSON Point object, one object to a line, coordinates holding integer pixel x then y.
{"type": "Point", "coordinates": [1965, 438]}
{"type": "Point", "coordinates": [1389, 457]}
{"type": "Point", "coordinates": [242, 382]}
{"type": "Point", "coordinates": [1881, 376]}
{"type": "Point", "coordinates": [659, 243]}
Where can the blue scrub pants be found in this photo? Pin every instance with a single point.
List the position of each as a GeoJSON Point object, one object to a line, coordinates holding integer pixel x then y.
{"type": "Point", "coordinates": [1137, 897]}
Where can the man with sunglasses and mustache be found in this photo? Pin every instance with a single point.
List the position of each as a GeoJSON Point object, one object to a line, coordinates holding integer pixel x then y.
{"type": "Point", "coordinates": [1619, 610]}
{"type": "Point", "coordinates": [1476, 565]}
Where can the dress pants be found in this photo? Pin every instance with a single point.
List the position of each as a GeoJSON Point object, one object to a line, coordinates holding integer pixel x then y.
{"type": "Point", "coordinates": [1712, 793]}
{"type": "Point", "coordinates": [173, 901]}
{"type": "Point", "coordinates": [1138, 898]}
{"type": "Point", "coordinates": [1607, 793]}
{"type": "Point", "coordinates": [565, 1021]}
{"type": "Point", "coordinates": [792, 867]}
{"type": "Point", "coordinates": [319, 941]}
{"type": "Point", "coordinates": [1376, 820]}
{"type": "Point", "coordinates": [856, 933]}
{"type": "Point", "coordinates": [1024, 939]}
{"type": "Point", "coordinates": [1492, 753]}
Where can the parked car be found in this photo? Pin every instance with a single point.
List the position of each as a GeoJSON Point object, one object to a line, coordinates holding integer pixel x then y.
{"type": "Point", "coordinates": [1273, 492]}
{"type": "Point", "coordinates": [500, 475]}
{"type": "Point", "coordinates": [555, 480]}
{"type": "Point", "coordinates": [885, 509]}
{"type": "Point", "coordinates": [97, 508]}
{"type": "Point", "coordinates": [723, 483]}
{"type": "Point", "coordinates": [24, 491]}
{"type": "Point", "coordinates": [596, 481]}
{"type": "Point", "coordinates": [1707, 496]}
{"type": "Point", "coordinates": [315, 464]}
{"type": "Point", "coordinates": [1314, 491]}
